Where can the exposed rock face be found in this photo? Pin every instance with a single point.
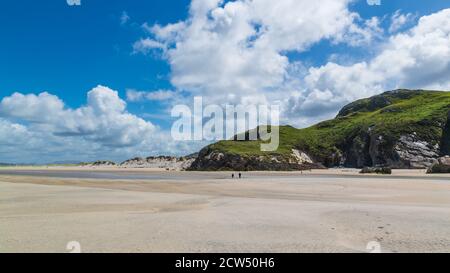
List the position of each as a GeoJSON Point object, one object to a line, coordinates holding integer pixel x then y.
{"type": "Point", "coordinates": [369, 149]}
{"type": "Point", "coordinates": [301, 157]}
{"type": "Point", "coordinates": [415, 153]}
{"type": "Point", "coordinates": [445, 142]}
{"type": "Point", "coordinates": [441, 166]}
{"type": "Point", "coordinates": [445, 160]}
{"type": "Point", "coordinates": [160, 162]}
{"type": "Point", "coordinates": [356, 151]}
{"type": "Point", "coordinates": [380, 151]}
{"type": "Point", "coordinates": [213, 161]}
{"type": "Point", "coordinates": [405, 151]}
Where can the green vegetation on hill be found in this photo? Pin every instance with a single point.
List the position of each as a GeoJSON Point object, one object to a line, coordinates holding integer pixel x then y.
{"type": "Point", "coordinates": [389, 116]}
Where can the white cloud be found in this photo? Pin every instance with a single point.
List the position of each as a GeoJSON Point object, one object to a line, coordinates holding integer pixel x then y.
{"type": "Point", "coordinates": [12, 133]}
{"type": "Point", "coordinates": [20, 143]}
{"type": "Point", "coordinates": [42, 108]}
{"type": "Point", "coordinates": [418, 58]}
{"type": "Point", "coordinates": [356, 35]}
{"type": "Point", "coordinates": [40, 128]}
{"type": "Point", "coordinates": [146, 45]}
{"type": "Point", "coordinates": [237, 52]}
{"type": "Point", "coordinates": [124, 18]}
{"type": "Point", "coordinates": [400, 20]}
{"type": "Point", "coordinates": [237, 49]}
{"type": "Point", "coordinates": [104, 119]}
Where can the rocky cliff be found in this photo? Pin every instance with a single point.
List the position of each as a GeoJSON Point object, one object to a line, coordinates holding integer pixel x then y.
{"type": "Point", "coordinates": [445, 142]}
{"type": "Point", "coordinates": [211, 160]}
{"type": "Point", "coordinates": [397, 129]}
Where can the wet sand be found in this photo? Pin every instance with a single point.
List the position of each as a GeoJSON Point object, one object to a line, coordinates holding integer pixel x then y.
{"type": "Point", "coordinates": [322, 211]}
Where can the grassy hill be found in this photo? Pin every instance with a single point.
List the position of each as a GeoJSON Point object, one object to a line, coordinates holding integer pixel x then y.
{"type": "Point", "coordinates": [367, 132]}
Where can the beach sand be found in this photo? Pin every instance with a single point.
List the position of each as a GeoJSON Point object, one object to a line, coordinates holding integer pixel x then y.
{"type": "Point", "coordinates": [322, 211]}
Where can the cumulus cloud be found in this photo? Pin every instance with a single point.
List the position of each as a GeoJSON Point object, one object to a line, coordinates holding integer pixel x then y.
{"type": "Point", "coordinates": [42, 108]}
{"type": "Point", "coordinates": [40, 128]}
{"type": "Point", "coordinates": [13, 133]}
{"type": "Point", "coordinates": [418, 58]}
{"type": "Point", "coordinates": [237, 49]}
{"type": "Point", "coordinates": [238, 52]}
{"type": "Point", "coordinates": [103, 120]}
{"type": "Point", "coordinates": [26, 143]}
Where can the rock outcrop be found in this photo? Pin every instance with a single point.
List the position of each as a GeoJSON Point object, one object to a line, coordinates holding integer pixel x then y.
{"type": "Point", "coordinates": [407, 152]}
{"type": "Point", "coordinates": [445, 142]}
{"type": "Point", "coordinates": [374, 170]}
{"type": "Point", "coordinates": [209, 160]}
{"type": "Point", "coordinates": [397, 129]}
{"type": "Point", "coordinates": [385, 147]}
{"type": "Point", "coordinates": [414, 153]}
{"type": "Point", "coordinates": [441, 166]}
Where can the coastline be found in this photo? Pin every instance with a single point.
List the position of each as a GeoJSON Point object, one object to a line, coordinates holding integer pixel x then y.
{"type": "Point", "coordinates": [331, 171]}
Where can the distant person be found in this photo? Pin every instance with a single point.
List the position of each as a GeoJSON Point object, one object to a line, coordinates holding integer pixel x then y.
{"type": "Point", "coordinates": [240, 175]}
{"type": "Point", "coordinates": [232, 176]}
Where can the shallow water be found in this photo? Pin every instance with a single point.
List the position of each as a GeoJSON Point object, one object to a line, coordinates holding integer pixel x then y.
{"type": "Point", "coordinates": [136, 174]}
{"type": "Point", "coordinates": [109, 175]}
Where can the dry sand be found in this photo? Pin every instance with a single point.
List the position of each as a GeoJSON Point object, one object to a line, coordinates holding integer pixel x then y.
{"type": "Point", "coordinates": [326, 211]}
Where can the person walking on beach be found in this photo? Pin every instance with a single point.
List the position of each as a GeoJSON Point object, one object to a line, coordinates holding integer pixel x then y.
{"type": "Point", "coordinates": [240, 175]}
{"type": "Point", "coordinates": [232, 176]}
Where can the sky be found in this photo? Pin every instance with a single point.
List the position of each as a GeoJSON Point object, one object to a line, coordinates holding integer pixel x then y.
{"type": "Point", "coordinates": [98, 80]}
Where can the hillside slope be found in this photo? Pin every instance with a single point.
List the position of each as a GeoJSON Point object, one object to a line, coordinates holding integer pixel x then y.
{"type": "Point", "coordinates": [399, 129]}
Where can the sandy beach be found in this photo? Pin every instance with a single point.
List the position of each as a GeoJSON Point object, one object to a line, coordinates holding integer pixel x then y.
{"type": "Point", "coordinates": [127, 210]}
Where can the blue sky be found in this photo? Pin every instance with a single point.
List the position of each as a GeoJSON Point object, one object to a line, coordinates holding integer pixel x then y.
{"type": "Point", "coordinates": [69, 50]}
